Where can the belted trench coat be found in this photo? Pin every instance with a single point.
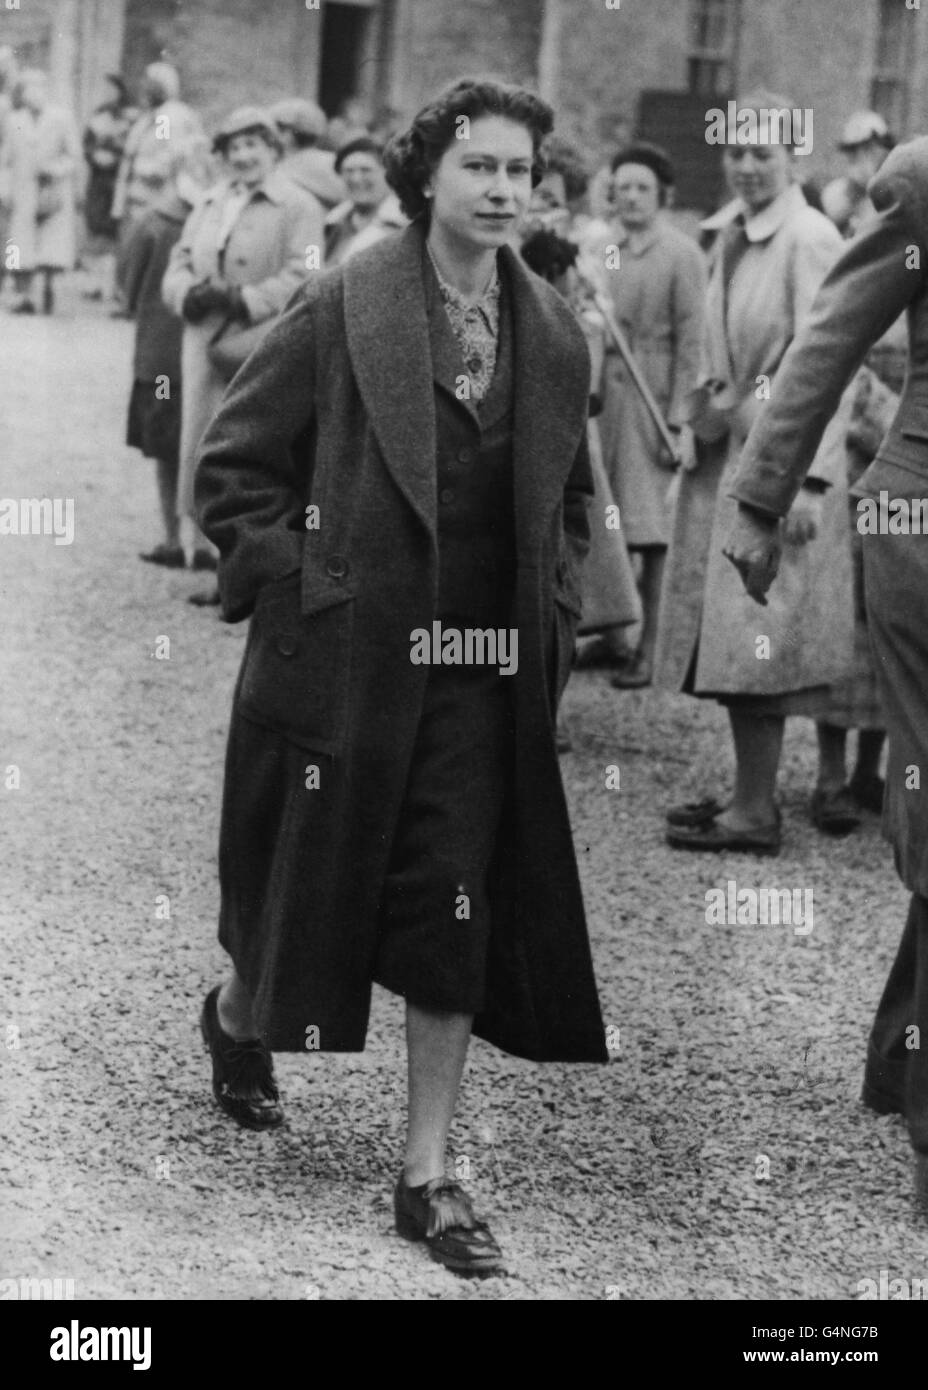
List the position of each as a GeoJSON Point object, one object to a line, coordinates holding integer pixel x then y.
{"type": "Point", "coordinates": [336, 410]}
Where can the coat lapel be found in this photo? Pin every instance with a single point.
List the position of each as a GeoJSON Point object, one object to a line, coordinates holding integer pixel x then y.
{"type": "Point", "coordinates": [388, 341]}
{"type": "Point", "coordinates": [552, 383]}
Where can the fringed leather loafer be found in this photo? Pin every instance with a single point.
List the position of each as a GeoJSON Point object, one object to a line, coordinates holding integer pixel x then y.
{"type": "Point", "coordinates": [439, 1213]}
{"type": "Point", "coordinates": [243, 1072]}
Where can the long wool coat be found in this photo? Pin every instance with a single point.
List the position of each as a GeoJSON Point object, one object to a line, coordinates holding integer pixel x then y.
{"type": "Point", "coordinates": [267, 253]}
{"type": "Point", "coordinates": [658, 295]}
{"type": "Point", "coordinates": [882, 272]}
{"type": "Point", "coordinates": [47, 145]}
{"type": "Point", "coordinates": [336, 409]}
{"type": "Point", "coordinates": [751, 318]}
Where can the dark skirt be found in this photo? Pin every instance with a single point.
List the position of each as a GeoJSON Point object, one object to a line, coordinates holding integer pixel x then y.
{"type": "Point", "coordinates": [154, 425]}
{"type": "Point", "coordinates": [435, 908]}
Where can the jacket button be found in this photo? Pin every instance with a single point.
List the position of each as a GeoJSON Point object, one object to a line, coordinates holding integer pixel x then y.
{"type": "Point", "coordinates": [336, 566]}
{"type": "Point", "coordinates": [446, 495]}
{"type": "Point", "coordinates": [286, 644]}
{"type": "Point", "coordinates": [465, 456]}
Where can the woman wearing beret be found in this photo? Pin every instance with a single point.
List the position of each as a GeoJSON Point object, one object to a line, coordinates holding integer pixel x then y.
{"type": "Point", "coordinates": [371, 211]}
{"type": "Point", "coordinates": [403, 462]}
{"type": "Point", "coordinates": [245, 248]}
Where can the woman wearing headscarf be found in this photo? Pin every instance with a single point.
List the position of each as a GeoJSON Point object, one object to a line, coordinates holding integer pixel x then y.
{"type": "Point", "coordinates": [402, 464]}
{"type": "Point", "coordinates": [655, 275]}
{"type": "Point", "coordinates": [245, 248]}
{"type": "Point", "coordinates": [771, 254]}
{"type": "Point", "coordinates": [39, 161]}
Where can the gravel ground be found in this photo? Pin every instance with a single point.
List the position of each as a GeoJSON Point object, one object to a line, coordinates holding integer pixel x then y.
{"type": "Point", "coordinates": [641, 1179]}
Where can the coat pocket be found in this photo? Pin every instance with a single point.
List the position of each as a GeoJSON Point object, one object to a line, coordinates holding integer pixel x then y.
{"type": "Point", "coordinates": [296, 669]}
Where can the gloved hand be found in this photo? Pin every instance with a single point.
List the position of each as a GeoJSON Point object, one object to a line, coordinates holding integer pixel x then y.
{"type": "Point", "coordinates": [214, 296]}
{"type": "Point", "coordinates": [198, 301]}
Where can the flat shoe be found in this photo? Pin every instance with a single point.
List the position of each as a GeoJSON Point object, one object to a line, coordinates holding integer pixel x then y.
{"type": "Point", "coordinates": [835, 813]}
{"type": "Point", "coordinates": [243, 1072]}
{"type": "Point", "coordinates": [633, 676]}
{"type": "Point", "coordinates": [440, 1214]}
{"type": "Point", "coordinates": [710, 836]}
{"type": "Point", "coordinates": [170, 555]}
{"type": "Point", "coordinates": [695, 812]}
{"type": "Point", "coordinates": [204, 559]}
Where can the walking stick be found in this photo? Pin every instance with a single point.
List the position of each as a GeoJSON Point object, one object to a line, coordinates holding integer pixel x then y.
{"type": "Point", "coordinates": [634, 371]}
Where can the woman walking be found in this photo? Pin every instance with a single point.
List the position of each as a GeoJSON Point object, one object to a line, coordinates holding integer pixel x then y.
{"type": "Point", "coordinates": [245, 248]}
{"type": "Point", "coordinates": [402, 462]}
{"type": "Point", "coordinates": [772, 253]}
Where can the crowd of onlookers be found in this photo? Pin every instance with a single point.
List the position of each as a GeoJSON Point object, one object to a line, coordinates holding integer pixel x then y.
{"type": "Point", "coordinates": [202, 239]}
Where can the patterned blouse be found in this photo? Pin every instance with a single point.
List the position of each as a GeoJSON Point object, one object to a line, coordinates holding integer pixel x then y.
{"type": "Point", "coordinates": [476, 327]}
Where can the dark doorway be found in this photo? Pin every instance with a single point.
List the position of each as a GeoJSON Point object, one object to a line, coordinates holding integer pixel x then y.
{"type": "Point", "coordinates": [677, 120]}
{"type": "Point", "coordinates": [344, 35]}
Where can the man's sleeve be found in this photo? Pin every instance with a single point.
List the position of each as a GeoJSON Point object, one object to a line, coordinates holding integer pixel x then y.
{"type": "Point", "coordinates": [864, 293]}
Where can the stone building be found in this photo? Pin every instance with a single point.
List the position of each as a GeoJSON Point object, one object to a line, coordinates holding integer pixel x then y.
{"type": "Point", "coordinates": [612, 67]}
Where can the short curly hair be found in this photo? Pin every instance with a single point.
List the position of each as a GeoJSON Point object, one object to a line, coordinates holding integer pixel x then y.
{"type": "Point", "coordinates": [412, 156]}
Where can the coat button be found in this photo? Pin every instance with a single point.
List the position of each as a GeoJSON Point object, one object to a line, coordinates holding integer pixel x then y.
{"type": "Point", "coordinates": [286, 644]}
{"type": "Point", "coordinates": [466, 455]}
{"type": "Point", "coordinates": [446, 495]}
{"type": "Point", "coordinates": [336, 566]}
